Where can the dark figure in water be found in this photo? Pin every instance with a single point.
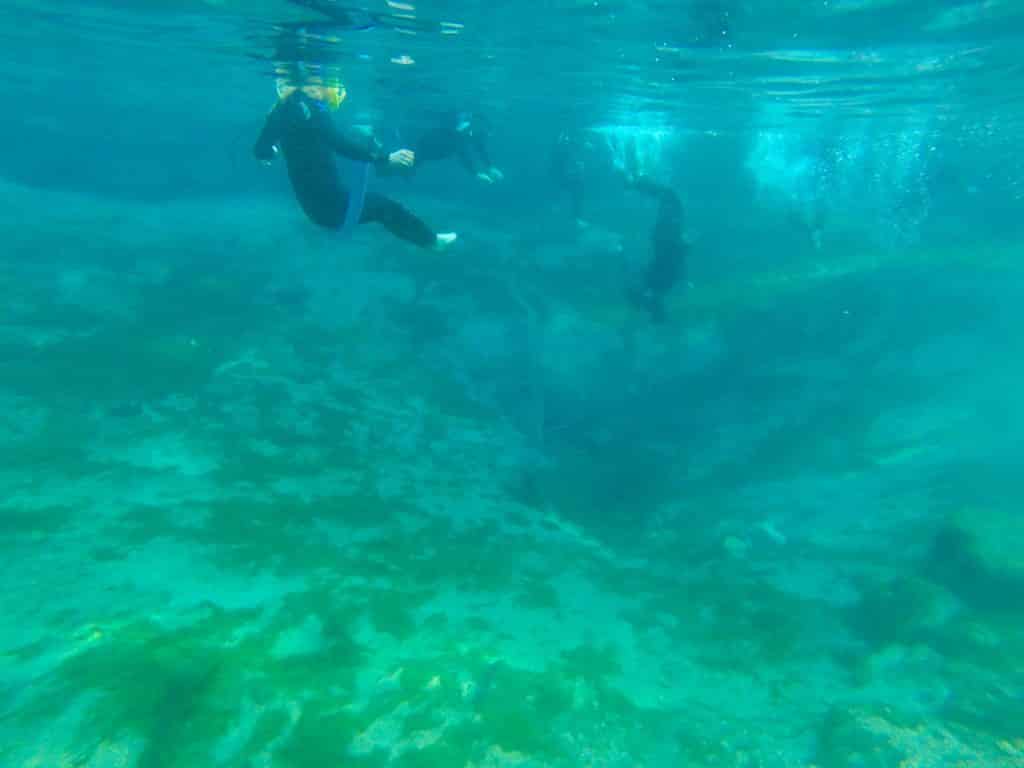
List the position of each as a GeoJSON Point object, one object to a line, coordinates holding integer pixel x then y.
{"type": "Point", "coordinates": [567, 171]}
{"type": "Point", "coordinates": [463, 135]}
{"type": "Point", "coordinates": [711, 21]}
{"type": "Point", "coordinates": [301, 127]}
{"type": "Point", "coordinates": [668, 257]}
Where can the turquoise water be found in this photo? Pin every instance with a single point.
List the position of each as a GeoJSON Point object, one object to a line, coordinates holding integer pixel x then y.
{"type": "Point", "coordinates": [271, 498]}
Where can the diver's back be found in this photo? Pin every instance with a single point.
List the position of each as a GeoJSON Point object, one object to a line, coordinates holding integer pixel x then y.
{"type": "Point", "coordinates": [311, 164]}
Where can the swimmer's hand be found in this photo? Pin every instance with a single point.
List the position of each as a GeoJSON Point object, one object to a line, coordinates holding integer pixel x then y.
{"type": "Point", "coordinates": [264, 155]}
{"type": "Point", "coordinates": [402, 158]}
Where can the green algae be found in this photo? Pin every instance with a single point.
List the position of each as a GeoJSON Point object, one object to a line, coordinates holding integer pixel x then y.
{"type": "Point", "coordinates": [592, 662]}
{"type": "Point", "coordinates": [269, 728]}
{"type": "Point", "coordinates": [539, 594]}
{"type": "Point", "coordinates": [168, 689]}
{"type": "Point", "coordinates": [321, 737]}
{"type": "Point", "coordinates": [521, 711]}
{"type": "Point", "coordinates": [895, 611]}
{"type": "Point", "coordinates": [976, 555]}
{"type": "Point", "coordinates": [450, 750]}
{"type": "Point", "coordinates": [846, 741]}
{"type": "Point", "coordinates": [439, 552]}
{"type": "Point", "coordinates": [249, 535]}
{"type": "Point", "coordinates": [732, 622]}
{"type": "Point", "coordinates": [180, 689]}
{"type": "Point", "coordinates": [18, 521]}
{"type": "Point", "coordinates": [394, 613]}
{"type": "Point", "coordinates": [627, 489]}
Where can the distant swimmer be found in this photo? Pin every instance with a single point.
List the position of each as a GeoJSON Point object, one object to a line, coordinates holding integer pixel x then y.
{"type": "Point", "coordinates": [463, 135]}
{"type": "Point", "coordinates": [301, 128]}
{"type": "Point", "coordinates": [668, 249]}
{"type": "Point", "coordinates": [711, 21]}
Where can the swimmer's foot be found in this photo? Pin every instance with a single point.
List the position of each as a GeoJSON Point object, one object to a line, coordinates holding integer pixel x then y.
{"type": "Point", "coordinates": [444, 240]}
{"type": "Point", "coordinates": [495, 174]}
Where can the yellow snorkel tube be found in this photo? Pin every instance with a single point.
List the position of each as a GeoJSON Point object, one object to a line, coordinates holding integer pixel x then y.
{"type": "Point", "coordinates": [334, 93]}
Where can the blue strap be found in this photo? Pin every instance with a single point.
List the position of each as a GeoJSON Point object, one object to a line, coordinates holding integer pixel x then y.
{"type": "Point", "coordinates": [357, 179]}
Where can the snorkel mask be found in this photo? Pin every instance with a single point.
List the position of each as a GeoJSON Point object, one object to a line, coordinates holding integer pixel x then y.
{"type": "Point", "coordinates": [330, 92]}
{"type": "Point", "coordinates": [333, 94]}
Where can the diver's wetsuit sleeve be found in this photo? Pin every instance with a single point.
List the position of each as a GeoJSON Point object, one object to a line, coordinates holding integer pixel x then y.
{"type": "Point", "coordinates": [481, 150]}
{"type": "Point", "coordinates": [356, 145]}
{"type": "Point", "coordinates": [472, 153]}
{"type": "Point", "coordinates": [468, 158]}
{"type": "Point", "coordinates": [269, 136]}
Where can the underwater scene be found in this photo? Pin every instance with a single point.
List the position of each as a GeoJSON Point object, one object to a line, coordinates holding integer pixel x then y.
{"type": "Point", "coordinates": [537, 384]}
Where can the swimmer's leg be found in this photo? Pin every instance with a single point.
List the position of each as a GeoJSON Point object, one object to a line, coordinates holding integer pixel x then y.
{"type": "Point", "coordinates": [401, 222]}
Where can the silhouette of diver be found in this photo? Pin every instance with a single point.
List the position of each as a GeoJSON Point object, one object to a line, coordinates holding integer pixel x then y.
{"type": "Point", "coordinates": [460, 134]}
{"type": "Point", "coordinates": [300, 125]}
{"type": "Point", "coordinates": [668, 249]}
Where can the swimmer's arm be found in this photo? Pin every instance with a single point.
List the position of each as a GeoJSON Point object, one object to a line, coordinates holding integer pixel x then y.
{"type": "Point", "coordinates": [471, 160]}
{"type": "Point", "coordinates": [265, 148]}
{"type": "Point", "coordinates": [480, 145]}
{"type": "Point", "coordinates": [358, 145]}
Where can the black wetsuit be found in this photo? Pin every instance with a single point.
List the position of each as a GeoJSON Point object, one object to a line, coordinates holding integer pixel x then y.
{"type": "Point", "coordinates": [668, 259]}
{"type": "Point", "coordinates": [307, 136]}
{"type": "Point", "coordinates": [459, 134]}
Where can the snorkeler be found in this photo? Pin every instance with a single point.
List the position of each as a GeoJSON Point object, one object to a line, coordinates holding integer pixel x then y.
{"type": "Point", "coordinates": [463, 135]}
{"type": "Point", "coordinates": [301, 127]}
{"type": "Point", "coordinates": [669, 249]}
{"type": "Point", "coordinates": [567, 171]}
{"type": "Point", "coordinates": [711, 22]}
